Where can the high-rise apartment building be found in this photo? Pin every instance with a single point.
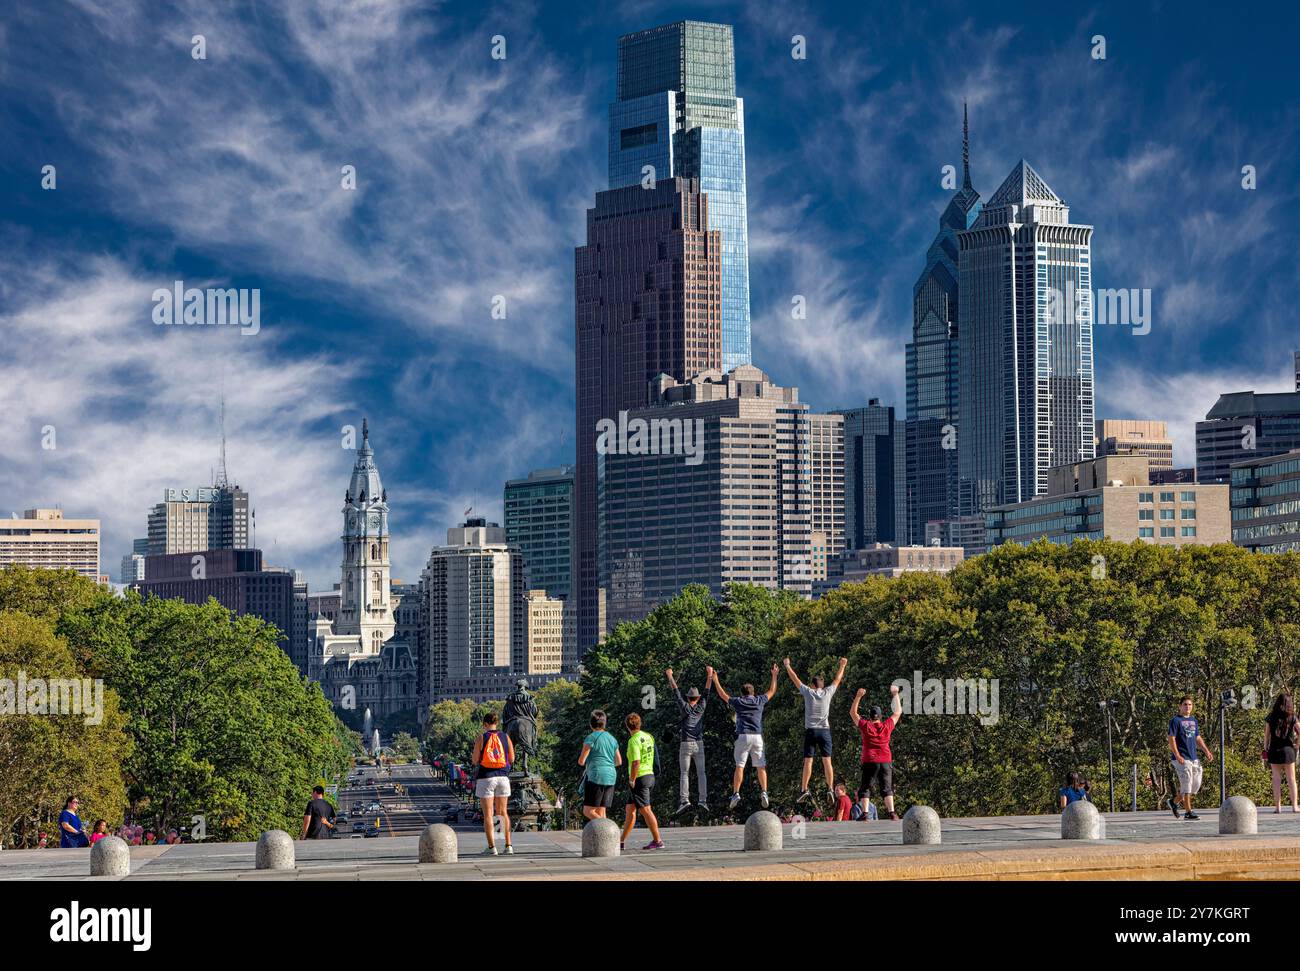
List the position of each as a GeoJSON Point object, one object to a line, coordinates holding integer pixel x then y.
{"type": "Point", "coordinates": [539, 520]}
{"type": "Point", "coordinates": [192, 520]}
{"type": "Point", "coordinates": [677, 114]}
{"type": "Point", "coordinates": [826, 472]}
{"type": "Point", "coordinates": [1127, 436]}
{"type": "Point", "coordinates": [44, 540]}
{"type": "Point", "coordinates": [131, 568]}
{"type": "Point", "coordinates": [710, 485]}
{"type": "Point", "coordinates": [543, 633]}
{"type": "Point", "coordinates": [1025, 344]}
{"type": "Point", "coordinates": [875, 486]}
{"type": "Point", "coordinates": [648, 301]}
{"type": "Point", "coordinates": [1245, 425]}
{"type": "Point", "coordinates": [1265, 497]}
{"type": "Point", "coordinates": [933, 400]}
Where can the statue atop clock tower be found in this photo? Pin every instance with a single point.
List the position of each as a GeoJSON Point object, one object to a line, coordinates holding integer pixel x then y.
{"type": "Point", "coordinates": [365, 605]}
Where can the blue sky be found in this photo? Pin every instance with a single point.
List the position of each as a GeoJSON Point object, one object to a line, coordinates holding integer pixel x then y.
{"type": "Point", "coordinates": [473, 176]}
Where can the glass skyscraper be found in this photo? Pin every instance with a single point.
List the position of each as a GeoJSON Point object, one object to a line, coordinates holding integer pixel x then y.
{"type": "Point", "coordinates": [677, 111]}
{"type": "Point", "coordinates": [1025, 344]}
{"type": "Point", "coordinates": [932, 372]}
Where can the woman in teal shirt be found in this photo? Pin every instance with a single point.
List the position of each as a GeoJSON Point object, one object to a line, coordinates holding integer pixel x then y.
{"type": "Point", "coordinates": [600, 760]}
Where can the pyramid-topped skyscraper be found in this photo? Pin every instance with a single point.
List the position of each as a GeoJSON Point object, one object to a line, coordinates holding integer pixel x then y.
{"type": "Point", "coordinates": [1025, 343]}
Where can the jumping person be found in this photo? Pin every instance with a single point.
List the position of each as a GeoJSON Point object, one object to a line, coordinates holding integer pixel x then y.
{"type": "Point", "coordinates": [1280, 736]}
{"type": "Point", "coordinates": [640, 782]}
{"type": "Point", "coordinates": [494, 754]}
{"type": "Point", "coordinates": [691, 708]}
{"type": "Point", "coordinates": [877, 760]}
{"type": "Point", "coordinates": [1184, 739]}
{"type": "Point", "coordinates": [748, 707]}
{"type": "Point", "coordinates": [816, 725]}
{"type": "Point", "coordinates": [600, 760]}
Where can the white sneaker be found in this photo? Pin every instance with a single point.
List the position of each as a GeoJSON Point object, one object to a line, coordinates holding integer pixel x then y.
{"type": "Point", "coordinates": [762, 798]}
{"type": "Point", "coordinates": [734, 801]}
{"type": "Point", "coordinates": [490, 851]}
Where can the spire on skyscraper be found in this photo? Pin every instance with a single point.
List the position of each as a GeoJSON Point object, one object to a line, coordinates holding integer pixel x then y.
{"type": "Point", "coordinates": [965, 147]}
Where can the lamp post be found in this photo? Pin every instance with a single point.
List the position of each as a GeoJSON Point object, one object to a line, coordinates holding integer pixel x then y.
{"type": "Point", "coordinates": [1227, 699]}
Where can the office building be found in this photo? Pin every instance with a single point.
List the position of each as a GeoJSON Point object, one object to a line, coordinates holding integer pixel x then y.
{"type": "Point", "coordinates": [647, 302]}
{"type": "Point", "coordinates": [44, 540]}
{"type": "Point", "coordinates": [826, 462]}
{"type": "Point", "coordinates": [933, 400]}
{"type": "Point", "coordinates": [131, 568]}
{"type": "Point", "coordinates": [677, 114]}
{"type": "Point", "coordinates": [1127, 436]}
{"type": "Point", "coordinates": [1025, 344]}
{"type": "Point", "coordinates": [884, 560]}
{"type": "Point", "coordinates": [192, 520]}
{"type": "Point", "coordinates": [711, 485]}
{"type": "Point", "coordinates": [1242, 426]}
{"type": "Point", "coordinates": [964, 532]}
{"type": "Point", "coordinates": [539, 521]}
{"type": "Point", "coordinates": [1112, 497]}
{"type": "Point", "coordinates": [1265, 496]}
{"type": "Point", "coordinates": [543, 633]}
{"type": "Point", "coordinates": [875, 483]}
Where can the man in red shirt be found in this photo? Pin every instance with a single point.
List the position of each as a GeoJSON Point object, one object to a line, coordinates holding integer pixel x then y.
{"type": "Point", "coordinates": [843, 804]}
{"type": "Point", "coordinates": [877, 760]}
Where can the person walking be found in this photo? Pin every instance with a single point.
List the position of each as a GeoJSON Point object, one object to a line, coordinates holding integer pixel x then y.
{"type": "Point", "coordinates": [72, 833]}
{"type": "Point", "coordinates": [816, 725]}
{"type": "Point", "coordinates": [691, 747]}
{"type": "Point", "coordinates": [318, 817]}
{"type": "Point", "coordinates": [494, 754]}
{"type": "Point", "coordinates": [877, 759]}
{"type": "Point", "coordinates": [1281, 734]}
{"type": "Point", "coordinates": [1184, 741]}
{"type": "Point", "coordinates": [600, 760]}
{"type": "Point", "coordinates": [640, 782]}
{"type": "Point", "coordinates": [748, 706]}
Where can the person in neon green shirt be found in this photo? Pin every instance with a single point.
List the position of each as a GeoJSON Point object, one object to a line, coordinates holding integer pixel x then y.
{"type": "Point", "coordinates": [641, 782]}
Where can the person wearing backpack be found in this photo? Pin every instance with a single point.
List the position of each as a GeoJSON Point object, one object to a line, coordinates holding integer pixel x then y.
{"type": "Point", "coordinates": [641, 760]}
{"type": "Point", "coordinates": [1280, 738]}
{"type": "Point", "coordinates": [494, 753]}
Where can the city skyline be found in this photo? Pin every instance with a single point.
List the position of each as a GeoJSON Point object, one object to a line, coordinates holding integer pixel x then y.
{"type": "Point", "coordinates": [134, 406]}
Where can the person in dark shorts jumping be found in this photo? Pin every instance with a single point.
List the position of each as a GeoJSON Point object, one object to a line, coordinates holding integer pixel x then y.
{"type": "Point", "coordinates": [816, 725]}
{"type": "Point", "coordinates": [877, 760]}
{"type": "Point", "coordinates": [1281, 733]}
{"type": "Point", "coordinates": [600, 760]}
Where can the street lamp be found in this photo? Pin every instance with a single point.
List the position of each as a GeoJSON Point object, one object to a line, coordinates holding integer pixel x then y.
{"type": "Point", "coordinates": [1106, 706]}
{"type": "Point", "coordinates": [1227, 699]}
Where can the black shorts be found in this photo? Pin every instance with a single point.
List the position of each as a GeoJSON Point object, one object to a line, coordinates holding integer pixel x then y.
{"type": "Point", "coordinates": [816, 741]}
{"type": "Point", "coordinates": [639, 796]}
{"type": "Point", "coordinates": [597, 795]}
{"type": "Point", "coordinates": [871, 771]}
{"type": "Point", "coordinates": [1281, 755]}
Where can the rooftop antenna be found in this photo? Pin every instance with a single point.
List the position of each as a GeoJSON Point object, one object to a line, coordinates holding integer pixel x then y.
{"type": "Point", "coordinates": [222, 481]}
{"type": "Point", "coordinates": [965, 146]}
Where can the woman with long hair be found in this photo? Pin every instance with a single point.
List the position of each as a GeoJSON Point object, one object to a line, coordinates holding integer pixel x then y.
{"type": "Point", "coordinates": [1281, 733]}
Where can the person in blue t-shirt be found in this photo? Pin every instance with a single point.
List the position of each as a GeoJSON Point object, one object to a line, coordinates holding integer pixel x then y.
{"type": "Point", "coordinates": [1184, 741]}
{"type": "Point", "coordinates": [748, 706]}
{"type": "Point", "coordinates": [600, 760]}
{"type": "Point", "coordinates": [1073, 790]}
{"type": "Point", "coordinates": [71, 832]}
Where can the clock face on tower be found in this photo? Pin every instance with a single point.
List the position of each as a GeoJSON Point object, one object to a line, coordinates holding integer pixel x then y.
{"type": "Point", "coordinates": [373, 520]}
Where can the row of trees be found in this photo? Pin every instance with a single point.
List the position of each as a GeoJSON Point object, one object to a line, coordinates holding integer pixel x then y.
{"type": "Point", "coordinates": [1062, 629]}
{"type": "Point", "coordinates": [204, 715]}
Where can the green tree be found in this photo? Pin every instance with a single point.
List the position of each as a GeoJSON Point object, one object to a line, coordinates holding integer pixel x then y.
{"type": "Point", "coordinates": [406, 746]}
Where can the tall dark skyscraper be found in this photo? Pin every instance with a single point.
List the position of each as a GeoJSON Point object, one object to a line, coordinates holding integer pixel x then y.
{"type": "Point", "coordinates": [1025, 344]}
{"type": "Point", "coordinates": [932, 368]}
{"type": "Point", "coordinates": [677, 111]}
{"type": "Point", "coordinates": [875, 495]}
{"type": "Point", "coordinates": [648, 301]}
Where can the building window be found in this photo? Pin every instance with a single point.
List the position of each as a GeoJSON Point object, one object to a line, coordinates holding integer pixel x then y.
{"type": "Point", "coordinates": [1167, 531]}
{"type": "Point", "coordinates": [1146, 497]}
{"type": "Point", "coordinates": [1189, 530]}
{"type": "Point", "coordinates": [1147, 532]}
{"type": "Point", "coordinates": [1166, 497]}
{"type": "Point", "coordinates": [1144, 514]}
{"type": "Point", "coordinates": [1189, 513]}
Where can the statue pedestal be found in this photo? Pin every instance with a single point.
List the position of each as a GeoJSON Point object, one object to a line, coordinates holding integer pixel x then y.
{"type": "Point", "coordinates": [529, 807]}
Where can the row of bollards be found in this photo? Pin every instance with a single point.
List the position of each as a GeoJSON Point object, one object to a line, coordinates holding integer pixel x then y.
{"type": "Point", "coordinates": [1081, 820]}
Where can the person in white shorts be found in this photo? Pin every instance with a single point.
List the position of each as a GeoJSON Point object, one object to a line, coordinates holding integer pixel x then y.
{"type": "Point", "coordinates": [1185, 744]}
{"type": "Point", "coordinates": [494, 753]}
{"type": "Point", "coordinates": [748, 707]}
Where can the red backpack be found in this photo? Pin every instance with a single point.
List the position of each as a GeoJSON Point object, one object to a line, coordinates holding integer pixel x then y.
{"type": "Point", "coordinates": [495, 753]}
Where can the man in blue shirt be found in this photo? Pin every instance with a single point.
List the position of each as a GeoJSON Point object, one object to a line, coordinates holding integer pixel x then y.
{"type": "Point", "coordinates": [748, 706]}
{"type": "Point", "coordinates": [1184, 741]}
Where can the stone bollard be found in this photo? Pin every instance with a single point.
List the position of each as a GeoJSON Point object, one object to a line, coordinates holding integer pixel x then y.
{"type": "Point", "coordinates": [110, 857]}
{"type": "Point", "coordinates": [600, 837]}
{"type": "Point", "coordinates": [438, 844]}
{"type": "Point", "coordinates": [763, 831]}
{"type": "Point", "coordinates": [921, 825]}
{"type": "Point", "coordinates": [1082, 821]}
{"type": "Point", "coordinates": [1237, 816]}
{"type": "Point", "coordinates": [275, 850]}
